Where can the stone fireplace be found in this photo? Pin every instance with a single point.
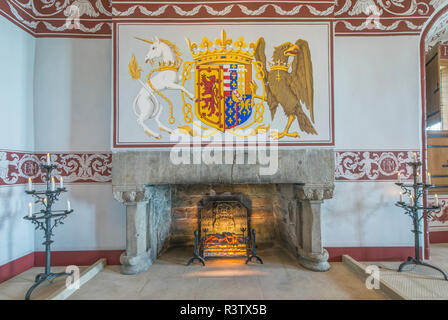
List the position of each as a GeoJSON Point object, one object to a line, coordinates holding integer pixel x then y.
{"type": "Point", "coordinates": [165, 202]}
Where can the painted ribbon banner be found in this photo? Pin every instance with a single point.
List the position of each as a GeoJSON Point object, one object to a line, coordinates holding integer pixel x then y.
{"type": "Point", "coordinates": [220, 83]}
{"type": "Point", "coordinates": [17, 167]}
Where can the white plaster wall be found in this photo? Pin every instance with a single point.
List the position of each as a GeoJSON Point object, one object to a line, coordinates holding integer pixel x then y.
{"type": "Point", "coordinates": [97, 223]}
{"type": "Point", "coordinates": [363, 214]}
{"type": "Point", "coordinates": [16, 87]}
{"type": "Point", "coordinates": [16, 234]}
{"type": "Point", "coordinates": [73, 94]}
{"type": "Point", "coordinates": [377, 93]}
{"type": "Point", "coordinates": [377, 107]}
{"type": "Point", "coordinates": [16, 133]}
{"type": "Point", "coordinates": [73, 113]}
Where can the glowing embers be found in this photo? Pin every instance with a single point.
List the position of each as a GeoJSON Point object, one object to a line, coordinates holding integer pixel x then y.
{"type": "Point", "coordinates": [225, 244]}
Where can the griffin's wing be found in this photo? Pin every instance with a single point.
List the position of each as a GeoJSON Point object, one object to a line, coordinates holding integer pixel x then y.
{"type": "Point", "coordinates": [301, 79]}
{"type": "Point", "coordinates": [261, 57]}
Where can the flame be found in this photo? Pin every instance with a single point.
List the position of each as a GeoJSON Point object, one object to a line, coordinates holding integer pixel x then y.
{"type": "Point", "coordinates": [134, 69]}
{"type": "Point", "coordinates": [225, 244]}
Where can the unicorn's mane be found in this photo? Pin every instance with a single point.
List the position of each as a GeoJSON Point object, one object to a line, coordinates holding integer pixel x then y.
{"type": "Point", "coordinates": [174, 48]}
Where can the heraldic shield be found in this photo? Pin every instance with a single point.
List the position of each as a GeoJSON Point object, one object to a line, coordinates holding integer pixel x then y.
{"type": "Point", "coordinates": [224, 97]}
{"type": "Point", "coordinates": [224, 85]}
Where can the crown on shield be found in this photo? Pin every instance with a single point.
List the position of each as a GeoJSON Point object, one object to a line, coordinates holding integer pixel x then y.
{"type": "Point", "coordinates": [223, 50]}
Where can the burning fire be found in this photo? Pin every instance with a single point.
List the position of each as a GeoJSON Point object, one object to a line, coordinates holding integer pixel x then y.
{"type": "Point", "coordinates": [224, 244]}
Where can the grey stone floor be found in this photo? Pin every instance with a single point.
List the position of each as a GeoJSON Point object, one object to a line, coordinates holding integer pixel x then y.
{"type": "Point", "coordinates": [418, 282]}
{"type": "Point", "coordinates": [279, 277]}
{"type": "Point", "coordinates": [16, 288]}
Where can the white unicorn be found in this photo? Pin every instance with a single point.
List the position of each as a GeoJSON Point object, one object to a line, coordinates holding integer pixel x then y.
{"type": "Point", "coordinates": [146, 106]}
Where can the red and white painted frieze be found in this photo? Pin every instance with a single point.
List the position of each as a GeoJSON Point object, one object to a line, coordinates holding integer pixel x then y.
{"type": "Point", "coordinates": [439, 220]}
{"type": "Point", "coordinates": [62, 18]}
{"type": "Point", "coordinates": [438, 33]}
{"type": "Point", "coordinates": [17, 167]}
{"type": "Point", "coordinates": [382, 16]}
{"type": "Point", "coordinates": [373, 165]}
{"type": "Point", "coordinates": [95, 18]}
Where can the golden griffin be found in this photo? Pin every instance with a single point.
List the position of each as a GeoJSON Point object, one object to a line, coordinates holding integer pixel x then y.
{"type": "Point", "coordinates": [292, 89]}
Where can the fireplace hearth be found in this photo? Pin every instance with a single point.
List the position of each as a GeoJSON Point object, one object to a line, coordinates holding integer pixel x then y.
{"type": "Point", "coordinates": [224, 228]}
{"type": "Point", "coordinates": [223, 225]}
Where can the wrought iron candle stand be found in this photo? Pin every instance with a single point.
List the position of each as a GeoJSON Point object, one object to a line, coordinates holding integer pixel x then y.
{"type": "Point", "coordinates": [43, 220]}
{"type": "Point", "coordinates": [416, 191]}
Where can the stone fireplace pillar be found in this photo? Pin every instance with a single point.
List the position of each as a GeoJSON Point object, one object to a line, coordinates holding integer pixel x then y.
{"type": "Point", "coordinates": [311, 253]}
{"type": "Point", "coordinates": [148, 222]}
{"type": "Point", "coordinates": [137, 257]}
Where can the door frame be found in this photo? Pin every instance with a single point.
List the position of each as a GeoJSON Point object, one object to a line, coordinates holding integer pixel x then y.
{"type": "Point", "coordinates": [427, 26]}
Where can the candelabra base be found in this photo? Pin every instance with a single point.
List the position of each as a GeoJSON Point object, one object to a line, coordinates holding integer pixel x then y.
{"type": "Point", "coordinates": [412, 260]}
{"type": "Point", "coordinates": [42, 277]}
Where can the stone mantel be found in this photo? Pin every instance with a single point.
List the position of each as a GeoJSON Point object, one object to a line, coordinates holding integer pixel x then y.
{"type": "Point", "coordinates": [142, 181]}
{"type": "Point", "coordinates": [132, 170]}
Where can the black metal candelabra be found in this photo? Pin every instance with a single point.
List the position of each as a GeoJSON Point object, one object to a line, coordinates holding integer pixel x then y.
{"type": "Point", "coordinates": [47, 219]}
{"type": "Point", "coordinates": [415, 192]}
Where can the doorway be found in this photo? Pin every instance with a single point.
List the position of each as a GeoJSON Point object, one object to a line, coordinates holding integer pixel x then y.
{"type": "Point", "coordinates": [435, 44]}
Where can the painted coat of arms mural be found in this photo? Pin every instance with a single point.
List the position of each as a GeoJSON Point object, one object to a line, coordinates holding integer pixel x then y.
{"type": "Point", "coordinates": [224, 85]}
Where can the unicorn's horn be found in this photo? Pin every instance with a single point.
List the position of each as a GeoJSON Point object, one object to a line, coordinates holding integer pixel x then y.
{"type": "Point", "coordinates": [149, 41]}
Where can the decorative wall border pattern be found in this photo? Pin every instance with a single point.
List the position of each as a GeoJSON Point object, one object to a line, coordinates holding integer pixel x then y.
{"type": "Point", "coordinates": [379, 17]}
{"type": "Point", "coordinates": [440, 217]}
{"type": "Point", "coordinates": [373, 165]}
{"type": "Point", "coordinates": [60, 18]}
{"type": "Point", "coordinates": [47, 18]}
{"type": "Point", "coordinates": [17, 167]}
{"type": "Point", "coordinates": [437, 32]}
